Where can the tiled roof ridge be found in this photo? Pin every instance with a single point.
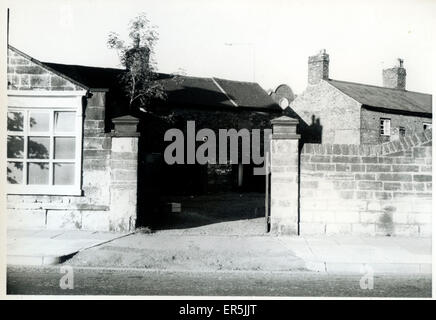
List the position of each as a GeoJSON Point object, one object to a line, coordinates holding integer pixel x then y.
{"type": "Point", "coordinates": [81, 65]}
{"type": "Point", "coordinates": [238, 81]}
{"type": "Point", "coordinates": [378, 87]}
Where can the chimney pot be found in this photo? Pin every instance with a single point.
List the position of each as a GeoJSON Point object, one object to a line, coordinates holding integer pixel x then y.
{"type": "Point", "coordinates": [400, 62]}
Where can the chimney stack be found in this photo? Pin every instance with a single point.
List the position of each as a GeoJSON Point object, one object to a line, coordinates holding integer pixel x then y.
{"type": "Point", "coordinates": [136, 56]}
{"type": "Point", "coordinates": [318, 67]}
{"type": "Point", "coordinates": [395, 77]}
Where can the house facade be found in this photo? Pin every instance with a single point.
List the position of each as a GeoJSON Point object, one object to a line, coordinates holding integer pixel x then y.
{"type": "Point", "coordinates": [75, 155]}
{"type": "Point", "coordinates": [59, 153]}
{"type": "Point", "coordinates": [341, 112]}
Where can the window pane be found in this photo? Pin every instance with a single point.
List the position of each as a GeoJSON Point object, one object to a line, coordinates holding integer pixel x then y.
{"type": "Point", "coordinates": [37, 173]}
{"type": "Point", "coordinates": [15, 147]}
{"type": "Point", "coordinates": [38, 147]}
{"type": "Point", "coordinates": [15, 172]}
{"type": "Point", "coordinates": [15, 121]}
{"type": "Point", "coordinates": [39, 121]}
{"type": "Point", "coordinates": [65, 148]}
{"type": "Point", "coordinates": [64, 173]}
{"type": "Point", "coordinates": [402, 131]}
{"type": "Point", "coordinates": [385, 127]}
{"type": "Point", "coordinates": [65, 121]}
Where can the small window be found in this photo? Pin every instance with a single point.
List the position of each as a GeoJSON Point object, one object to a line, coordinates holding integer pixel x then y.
{"type": "Point", "coordinates": [385, 127]}
{"type": "Point", "coordinates": [427, 125]}
{"type": "Point", "coordinates": [402, 131]}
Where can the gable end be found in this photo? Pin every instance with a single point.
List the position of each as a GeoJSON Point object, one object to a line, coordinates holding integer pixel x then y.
{"type": "Point", "coordinates": [27, 73]}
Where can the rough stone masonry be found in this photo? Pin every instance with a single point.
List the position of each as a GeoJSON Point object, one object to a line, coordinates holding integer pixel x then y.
{"type": "Point", "coordinates": [371, 190]}
{"type": "Point", "coordinates": [102, 177]}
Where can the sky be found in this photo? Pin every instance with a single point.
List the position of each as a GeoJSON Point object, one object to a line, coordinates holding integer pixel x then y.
{"type": "Point", "coordinates": [264, 41]}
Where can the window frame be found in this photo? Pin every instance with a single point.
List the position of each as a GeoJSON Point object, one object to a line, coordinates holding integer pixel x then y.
{"type": "Point", "coordinates": [48, 101]}
{"type": "Point", "coordinates": [383, 127]}
{"type": "Point", "coordinates": [428, 124]}
{"type": "Point", "coordinates": [401, 131]}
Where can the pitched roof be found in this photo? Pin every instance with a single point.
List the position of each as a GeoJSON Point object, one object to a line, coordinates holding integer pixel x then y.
{"type": "Point", "coordinates": [385, 98]}
{"type": "Point", "coordinates": [181, 90]}
{"type": "Point", "coordinates": [214, 92]}
{"type": "Point", "coordinates": [246, 94]}
{"type": "Point", "coordinates": [91, 77]}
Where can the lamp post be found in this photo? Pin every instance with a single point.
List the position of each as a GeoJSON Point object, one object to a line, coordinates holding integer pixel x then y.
{"type": "Point", "coordinates": [253, 52]}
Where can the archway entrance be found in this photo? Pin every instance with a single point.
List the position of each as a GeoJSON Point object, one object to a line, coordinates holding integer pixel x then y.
{"type": "Point", "coordinates": [200, 199]}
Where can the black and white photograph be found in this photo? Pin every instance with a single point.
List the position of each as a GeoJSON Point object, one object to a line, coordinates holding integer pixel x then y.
{"type": "Point", "coordinates": [217, 149]}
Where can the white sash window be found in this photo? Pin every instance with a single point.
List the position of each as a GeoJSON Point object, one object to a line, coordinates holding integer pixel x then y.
{"type": "Point", "coordinates": [385, 127]}
{"type": "Point", "coordinates": [44, 142]}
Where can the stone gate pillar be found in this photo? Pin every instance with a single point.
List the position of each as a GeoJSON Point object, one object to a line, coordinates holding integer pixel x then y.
{"type": "Point", "coordinates": [284, 176]}
{"type": "Point", "coordinates": [124, 174]}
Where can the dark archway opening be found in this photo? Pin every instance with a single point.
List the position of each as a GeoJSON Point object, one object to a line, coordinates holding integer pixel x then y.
{"type": "Point", "coordinates": [228, 199]}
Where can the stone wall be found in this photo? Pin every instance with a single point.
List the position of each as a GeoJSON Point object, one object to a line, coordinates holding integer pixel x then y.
{"type": "Point", "coordinates": [25, 74]}
{"type": "Point", "coordinates": [124, 179]}
{"type": "Point", "coordinates": [370, 124]}
{"type": "Point", "coordinates": [374, 190]}
{"type": "Point", "coordinates": [284, 186]}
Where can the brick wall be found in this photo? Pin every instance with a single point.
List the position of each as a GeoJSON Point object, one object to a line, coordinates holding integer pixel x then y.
{"type": "Point", "coordinates": [370, 123]}
{"type": "Point", "coordinates": [375, 190]}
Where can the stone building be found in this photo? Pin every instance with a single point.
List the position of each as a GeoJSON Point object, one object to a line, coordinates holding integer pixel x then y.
{"type": "Point", "coordinates": [65, 169]}
{"type": "Point", "coordinates": [333, 111]}
{"type": "Point", "coordinates": [350, 158]}
{"type": "Point", "coordinates": [73, 149]}
{"type": "Point", "coordinates": [324, 189]}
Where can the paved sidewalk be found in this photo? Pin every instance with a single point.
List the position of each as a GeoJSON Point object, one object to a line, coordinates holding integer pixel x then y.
{"type": "Point", "coordinates": [48, 247]}
{"type": "Point", "coordinates": [162, 251]}
{"type": "Point", "coordinates": [356, 254]}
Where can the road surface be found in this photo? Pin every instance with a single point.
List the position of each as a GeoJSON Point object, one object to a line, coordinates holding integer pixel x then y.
{"type": "Point", "coordinates": [95, 281]}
